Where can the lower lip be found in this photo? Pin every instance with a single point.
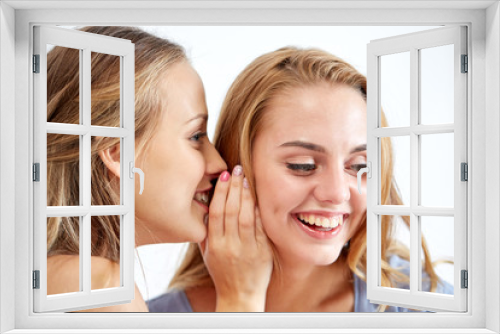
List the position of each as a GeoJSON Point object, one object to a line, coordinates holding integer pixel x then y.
{"type": "Point", "coordinates": [318, 234]}
{"type": "Point", "coordinates": [204, 206]}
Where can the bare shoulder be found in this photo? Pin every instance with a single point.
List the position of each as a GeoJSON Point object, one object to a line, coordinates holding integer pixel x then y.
{"type": "Point", "coordinates": [63, 276]}
{"type": "Point", "coordinates": [136, 305]}
{"type": "Point", "coordinates": [63, 273]}
{"type": "Point", "coordinates": [202, 299]}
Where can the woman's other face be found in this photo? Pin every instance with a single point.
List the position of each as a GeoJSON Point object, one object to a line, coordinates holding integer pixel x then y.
{"type": "Point", "coordinates": [178, 164]}
{"type": "Point", "coordinates": [305, 160]}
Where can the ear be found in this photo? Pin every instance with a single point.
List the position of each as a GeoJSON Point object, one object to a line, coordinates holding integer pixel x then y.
{"type": "Point", "coordinates": [111, 159]}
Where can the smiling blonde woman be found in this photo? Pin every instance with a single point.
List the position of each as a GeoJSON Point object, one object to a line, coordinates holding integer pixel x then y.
{"type": "Point", "coordinates": [296, 121]}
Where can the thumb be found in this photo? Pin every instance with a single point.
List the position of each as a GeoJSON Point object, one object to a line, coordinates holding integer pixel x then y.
{"type": "Point", "coordinates": [203, 245]}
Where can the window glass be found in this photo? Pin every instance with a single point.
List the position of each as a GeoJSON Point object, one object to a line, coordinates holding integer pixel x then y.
{"type": "Point", "coordinates": [103, 86]}
{"type": "Point", "coordinates": [63, 254]}
{"type": "Point", "coordinates": [67, 79]}
{"type": "Point", "coordinates": [437, 170]}
{"type": "Point", "coordinates": [395, 88]}
{"type": "Point", "coordinates": [437, 85]}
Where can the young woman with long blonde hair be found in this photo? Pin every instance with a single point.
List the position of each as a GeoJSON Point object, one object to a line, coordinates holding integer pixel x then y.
{"type": "Point", "coordinates": [172, 148]}
{"type": "Point", "coordinates": [296, 121]}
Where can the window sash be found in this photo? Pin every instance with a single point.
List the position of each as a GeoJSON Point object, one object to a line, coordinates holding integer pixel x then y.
{"type": "Point", "coordinates": [86, 43]}
{"type": "Point", "coordinates": [413, 298]}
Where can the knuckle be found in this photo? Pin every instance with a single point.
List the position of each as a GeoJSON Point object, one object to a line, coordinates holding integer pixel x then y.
{"type": "Point", "coordinates": [231, 211]}
{"type": "Point", "coordinates": [215, 214]}
{"type": "Point", "coordinates": [246, 222]}
{"type": "Point", "coordinates": [247, 196]}
{"type": "Point", "coordinates": [230, 252]}
{"type": "Point", "coordinates": [235, 183]}
{"type": "Point", "coordinates": [214, 247]}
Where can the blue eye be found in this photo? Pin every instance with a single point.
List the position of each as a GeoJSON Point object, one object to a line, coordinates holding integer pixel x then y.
{"type": "Point", "coordinates": [357, 167]}
{"type": "Point", "coordinates": [301, 167]}
{"type": "Point", "coordinates": [198, 136]}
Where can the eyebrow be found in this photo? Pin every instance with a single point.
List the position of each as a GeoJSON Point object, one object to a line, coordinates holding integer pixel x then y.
{"type": "Point", "coordinates": [202, 116]}
{"type": "Point", "coordinates": [318, 148]}
{"type": "Point", "coordinates": [359, 148]}
{"type": "Point", "coordinates": [306, 145]}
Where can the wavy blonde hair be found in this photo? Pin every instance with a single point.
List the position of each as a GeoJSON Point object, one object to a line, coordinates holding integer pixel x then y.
{"type": "Point", "coordinates": [153, 56]}
{"type": "Point", "coordinates": [240, 121]}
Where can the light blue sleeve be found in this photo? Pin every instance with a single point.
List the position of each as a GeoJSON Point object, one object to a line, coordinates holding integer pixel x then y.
{"type": "Point", "coordinates": [172, 301]}
{"type": "Point", "coordinates": [362, 304]}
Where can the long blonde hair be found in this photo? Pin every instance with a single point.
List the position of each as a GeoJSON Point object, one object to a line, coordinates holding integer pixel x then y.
{"type": "Point", "coordinates": [153, 56]}
{"type": "Point", "coordinates": [239, 123]}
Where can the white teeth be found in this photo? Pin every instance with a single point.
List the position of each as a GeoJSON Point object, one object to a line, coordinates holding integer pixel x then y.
{"type": "Point", "coordinates": [330, 222]}
{"type": "Point", "coordinates": [201, 197]}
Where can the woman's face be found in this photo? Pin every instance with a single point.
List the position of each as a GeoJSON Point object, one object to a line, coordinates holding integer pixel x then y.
{"type": "Point", "coordinates": [178, 164]}
{"type": "Point", "coordinates": [305, 160]}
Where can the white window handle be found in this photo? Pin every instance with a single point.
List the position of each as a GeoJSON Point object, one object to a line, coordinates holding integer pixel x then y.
{"type": "Point", "coordinates": [368, 171]}
{"type": "Point", "coordinates": [133, 170]}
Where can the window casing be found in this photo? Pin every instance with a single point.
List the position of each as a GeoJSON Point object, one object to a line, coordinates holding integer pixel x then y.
{"type": "Point", "coordinates": [477, 317]}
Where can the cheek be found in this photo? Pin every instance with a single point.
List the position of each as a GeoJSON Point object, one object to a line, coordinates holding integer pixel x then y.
{"type": "Point", "coordinates": [191, 164]}
{"type": "Point", "coordinates": [358, 208]}
{"type": "Point", "coordinates": [278, 194]}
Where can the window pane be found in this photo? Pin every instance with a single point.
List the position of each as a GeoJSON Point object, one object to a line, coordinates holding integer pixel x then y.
{"type": "Point", "coordinates": [106, 171]}
{"type": "Point", "coordinates": [395, 248]}
{"type": "Point", "coordinates": [63, 170]}
{"type": "Point", "coordinates": [437, 85]}
{"type": "Point", "coordinates": [63, 85]}
{"type": "Point", "coordinates": [437, 170]}
{"type": "Point", "coordinates": [400, 161]}
{"type": "Point", "coordinates": [105, 90]}
{"type": "Point", "coordinates": [439, 236]}
{"type": "Point", "coordinates": [395, 88]}
{"type": "Point", "coordinates": [105, 238]}
{"type": "Point", "coordinates": [63, 255]}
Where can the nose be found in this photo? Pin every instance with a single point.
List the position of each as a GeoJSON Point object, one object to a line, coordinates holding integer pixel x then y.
{"type": "Point", "coordinates": [214, 162]}
{"type": "Point", "coordinates": [333, 186]}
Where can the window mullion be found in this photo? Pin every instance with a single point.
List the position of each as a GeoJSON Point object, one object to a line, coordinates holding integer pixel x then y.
{"type": "Point", "coordinates": [85, 239]}
{"type": "Point", "coordinates": [414, 173]}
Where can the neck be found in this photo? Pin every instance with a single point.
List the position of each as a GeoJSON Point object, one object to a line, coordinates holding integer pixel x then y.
{"type": "Point", "coordinates": [305, 287]}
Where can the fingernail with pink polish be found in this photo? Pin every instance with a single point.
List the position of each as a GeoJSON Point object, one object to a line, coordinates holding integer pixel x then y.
{"type": "Point", "coordinates": [245, 183]}
{"type": "Point", "coordinates": [224, 176]}
{"type": "Point", "coordinates": [238, 170]}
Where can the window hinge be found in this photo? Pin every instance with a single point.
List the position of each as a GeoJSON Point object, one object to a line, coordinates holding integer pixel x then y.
{"type": "Point", "coordinates": [36, 63]}
{"type": "Point", "coordinates": [36, 172]}
{"type": "Point", "coordinates": [464, 171]}
{"type": "Point", "coordinates": [465, 64]}
{"type": "Point", "coordinates": [36, 279]}
{"type": "Point", "coordinates": [465, 279]}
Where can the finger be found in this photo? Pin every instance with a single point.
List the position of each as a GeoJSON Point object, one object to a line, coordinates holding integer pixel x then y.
{"type": "Point", "coordinates": [246, 221]}
{"type": "Point", "coordinates": [218, 207]}
{"type": "Point", "coordinates": [233, 203]}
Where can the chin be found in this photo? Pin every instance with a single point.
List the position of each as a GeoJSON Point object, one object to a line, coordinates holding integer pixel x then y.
{"type": "Point", "coordinates": [198, 233]}
{"type": "Point", "coordinates": [325, 258]}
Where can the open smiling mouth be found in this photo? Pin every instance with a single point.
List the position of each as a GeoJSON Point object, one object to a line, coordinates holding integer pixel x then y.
{"type": "Point", "coordinates": [320, 223]}
{"type": "Point", "coordinates": [202, 197]}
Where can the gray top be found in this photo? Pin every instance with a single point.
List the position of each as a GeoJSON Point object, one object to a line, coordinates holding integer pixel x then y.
{"type": "Point", "coordinates": [177, 301]}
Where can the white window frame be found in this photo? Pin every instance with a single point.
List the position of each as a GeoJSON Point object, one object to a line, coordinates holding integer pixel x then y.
{"type": "Point", "coordinates": [85, 43]}
{"type": "Point", "coordinates": [483, 21]}
{"type": "Point", "coordinates": [413, 43]}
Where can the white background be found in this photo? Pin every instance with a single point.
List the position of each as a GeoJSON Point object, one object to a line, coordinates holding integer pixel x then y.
{"type": "Point", "coordinates": [219, 54]}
